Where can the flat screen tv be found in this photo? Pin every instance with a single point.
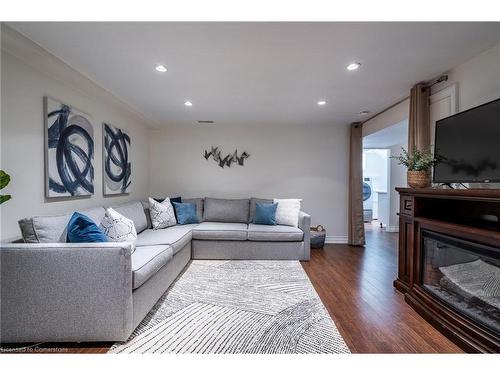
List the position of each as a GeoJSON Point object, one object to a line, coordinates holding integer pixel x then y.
{"type": "Point", "coordinates": [468, 145]}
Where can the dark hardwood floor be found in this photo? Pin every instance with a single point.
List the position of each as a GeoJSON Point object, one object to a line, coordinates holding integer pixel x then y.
{"type": "Point", "coordinates": [355, 285]}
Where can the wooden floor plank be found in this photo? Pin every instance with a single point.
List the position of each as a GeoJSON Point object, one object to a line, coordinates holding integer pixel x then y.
{"type": "Point", "coordinates": [355, 284]}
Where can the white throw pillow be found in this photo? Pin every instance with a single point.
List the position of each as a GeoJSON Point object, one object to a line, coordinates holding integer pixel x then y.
{"type": "Point", "coordinates": [162, 214]}
{"type": "Point", "coordinates": [118, 228]}
{"type": "Point", "coordinates": [287, 212]}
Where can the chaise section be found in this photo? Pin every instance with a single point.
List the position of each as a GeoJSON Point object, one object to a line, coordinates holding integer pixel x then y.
{"type": "Point", "coordinates": [177, 237]}
{"type": "Point", "coordinates": [65, 292]}
{"type": "Point", "coordinates": [280, 233]}
{"type": "Point", "coordinates": [147, 260]}
{"type": "Point", "coordinates": [220, 231]}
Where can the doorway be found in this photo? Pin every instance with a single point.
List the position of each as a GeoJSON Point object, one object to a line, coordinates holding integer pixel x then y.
{"type": "Point", "coordinates": [381, 175]}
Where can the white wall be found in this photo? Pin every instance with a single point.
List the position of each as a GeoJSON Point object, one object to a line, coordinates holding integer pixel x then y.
{"type": "Point", "coordinates": [27, 74]}
{"type": "Point", "coordinates": [392, 116]}
{"type": "Point", "coordinates": [288, 162]}
{"type": "Point", "coordinates": [478, 79]}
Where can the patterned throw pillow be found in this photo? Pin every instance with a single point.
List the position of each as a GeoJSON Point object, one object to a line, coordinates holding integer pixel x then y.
{"type": "Point", "coordinates": [288, 211]}
{"type": "Point", "coordinates": [162, 214]}
{"type": "Point", "coordinates": [117, 227]}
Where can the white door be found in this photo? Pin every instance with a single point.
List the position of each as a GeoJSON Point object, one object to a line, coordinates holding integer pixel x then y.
{"type": "Point", "coordinates": [443, 103]}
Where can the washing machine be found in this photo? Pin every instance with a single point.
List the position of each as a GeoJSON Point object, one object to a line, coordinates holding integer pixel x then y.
{"type": "Point", "coordinates": [367, 200]}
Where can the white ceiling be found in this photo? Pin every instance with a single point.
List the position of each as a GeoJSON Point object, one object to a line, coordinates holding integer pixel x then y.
{"type": "Point", "coordinates": [261, 73]}
{"type": "Point", "coordinates": [393, 135]}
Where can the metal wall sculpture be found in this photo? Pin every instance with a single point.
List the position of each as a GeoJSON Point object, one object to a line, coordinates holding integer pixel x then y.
{"type": "Point", "coordinates": [229, 159]}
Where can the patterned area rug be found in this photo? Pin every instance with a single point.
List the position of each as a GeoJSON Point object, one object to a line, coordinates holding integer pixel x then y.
{"type": "Point", "coordinates": [238, 307]}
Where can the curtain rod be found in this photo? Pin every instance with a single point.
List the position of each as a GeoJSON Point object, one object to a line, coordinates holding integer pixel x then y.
{"type": "Point", "coordinates": [386, 109]}
{"type": "Point", "coordinates": [440, 79]}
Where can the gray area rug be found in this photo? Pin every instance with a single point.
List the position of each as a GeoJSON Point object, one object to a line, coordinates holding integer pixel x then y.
{"type": "Point", "coordinates": [238, 307]}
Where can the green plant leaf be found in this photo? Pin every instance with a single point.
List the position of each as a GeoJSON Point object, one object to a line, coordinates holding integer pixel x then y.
{"type": "Point", "coordinates": [4, 179]}
{"type": "Point", "coordinates": [419, 160]}
{"type": "Point", "coordinates": [4, 198]}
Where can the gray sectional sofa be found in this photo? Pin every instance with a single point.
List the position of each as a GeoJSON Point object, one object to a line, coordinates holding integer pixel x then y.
{"type": "Point", "coordinates": [57, 291]}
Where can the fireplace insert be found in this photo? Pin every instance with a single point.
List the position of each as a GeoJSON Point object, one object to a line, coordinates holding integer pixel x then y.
{"type": "Point", "coordinates": [464, 275]}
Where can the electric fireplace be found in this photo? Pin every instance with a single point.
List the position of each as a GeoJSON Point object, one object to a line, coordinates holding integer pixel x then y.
{"type": "Point", "coordinates": [464, 275]}
{"type": "Point", "coordinates": [449, 262]}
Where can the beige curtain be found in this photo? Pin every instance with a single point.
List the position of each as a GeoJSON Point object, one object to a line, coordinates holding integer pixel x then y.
{"type": "Point", "coordinates": [419, 128]}
{"type": "Point", "coordinates": [356, 224]}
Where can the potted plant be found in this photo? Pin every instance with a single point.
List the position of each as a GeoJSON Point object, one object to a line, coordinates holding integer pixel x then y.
{"type": "Point", "coordinates": [4, 181]}
{"type": "Point", "coordinates": [419, 164]}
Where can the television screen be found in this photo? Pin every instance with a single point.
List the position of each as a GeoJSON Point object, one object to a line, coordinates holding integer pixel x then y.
{"type": "Point", "coordinates": [468, 145]}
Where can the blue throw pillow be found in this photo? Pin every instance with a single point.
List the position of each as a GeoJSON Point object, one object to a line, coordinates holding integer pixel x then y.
{"type": "Point", "coordinates": [186, 213]}
{"type": "Point", "coordinates": [82, 229]}
{"type": "Point", "coordinates": [265, 213]}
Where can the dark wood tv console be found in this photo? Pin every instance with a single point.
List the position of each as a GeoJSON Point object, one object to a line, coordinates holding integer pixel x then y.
{"type": "Point", "coordinates": [469, 215]}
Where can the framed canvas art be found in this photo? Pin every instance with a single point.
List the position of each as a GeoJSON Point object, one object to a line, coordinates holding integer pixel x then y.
{"type": "Point", "coordinates": [117, 168]}
{"type": "Point", "coordinates": [69, 151]}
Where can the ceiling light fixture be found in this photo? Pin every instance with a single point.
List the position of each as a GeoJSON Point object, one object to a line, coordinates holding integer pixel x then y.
{"type": "Point", "coordinates": [187, 103]}
{"type": "Point", "coordinates": [353, 66]}
{"type": "Point", "coordinates": [161, 68]}
{"type": "Point", "coordinates": [321, 103]}
{"type": "Point", "coordinates": [364, 112]}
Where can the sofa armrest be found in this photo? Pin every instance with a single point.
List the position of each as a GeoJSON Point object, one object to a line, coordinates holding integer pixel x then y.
{"type": "Point", "coordinates": [65, 292]}
{"type": "Point", "coordinates": [305, 225]}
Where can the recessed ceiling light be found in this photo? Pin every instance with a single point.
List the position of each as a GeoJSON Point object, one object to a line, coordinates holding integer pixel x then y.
{"type": "Point", "coordinates": [187, 103]}
{"type": "Point", "coordinates": [364, 112]}
{"type": "Point", "coordinates": [321, 102]}
{"type": "Point", "coordinates": [161, 68]}
{"type": "Point", "coordinates": [353, 66]}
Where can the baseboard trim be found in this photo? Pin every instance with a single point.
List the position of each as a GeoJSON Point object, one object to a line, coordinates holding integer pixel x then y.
{"type": "Point", "coordinates": [394, 228]}
{"type": "Point", "coordinates": [336, 239]}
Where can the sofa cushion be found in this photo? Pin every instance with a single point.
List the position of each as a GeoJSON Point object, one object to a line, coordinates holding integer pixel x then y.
{"type": "Point", "coordinates": [220, 231]}
{"type": "Point", "coordinates": [135, 212]}
{"type": "Point", "coordinates": [278, 233]}
{"type": "Point", "coordinates": [253, 202]}
{"type": "Point", "coordinates": [117, 227]}
{"type": "Point", "coordinates": [226, 210]}
{"type": "Point", "coordinates": [288, 211]}
{"type": "Point", "coordinates": [199, 206]}
{"type": "Point", "coordinates": [162, 214]}
{"type": "Point", "coordinates": [147, 260]}
{"type": "Point", "coordinates": [172, 200]}
{"type": "Point", "coordinates": [185, 213]}
{"type": "Point", "coordinates": [50, 229]}
{"type": "Point", "coordinates": [177, 237]}
{"type": "Point", "coordinates": [82, 229]}
{"type": "Point", "coordinates": [265, 213]}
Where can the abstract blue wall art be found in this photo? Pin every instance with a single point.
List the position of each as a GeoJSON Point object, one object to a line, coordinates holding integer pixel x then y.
{"type": "Point", "coordinates": [117, 168]}
{"type": "Point", "coordinates": [69, 151]}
